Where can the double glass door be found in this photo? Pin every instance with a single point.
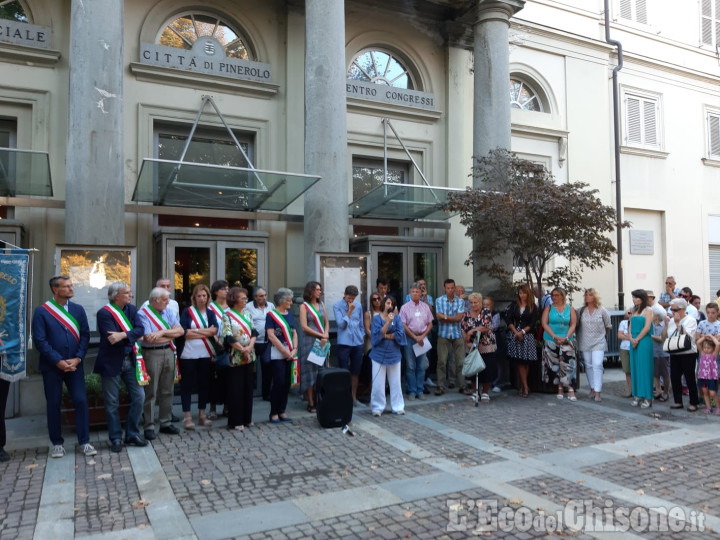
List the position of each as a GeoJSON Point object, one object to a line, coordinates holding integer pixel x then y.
{"type": "Point", "coordinates": [191, 262]}
{"type": "Point", "coordinates": [400, 266]}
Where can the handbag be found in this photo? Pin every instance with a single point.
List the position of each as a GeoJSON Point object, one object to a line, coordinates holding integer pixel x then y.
{"type": "Point", "coordinates": [221, 355]}
{"type": "Point", "coordinates": [677, 342]}
{"type": "Point", "coordinates": [473, 363]}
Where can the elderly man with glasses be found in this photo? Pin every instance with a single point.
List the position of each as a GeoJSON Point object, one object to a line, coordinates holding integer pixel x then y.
{"type": "Point", "coordinates": [669, 293]}
{"type": "Point", "coordinates": [119, 357]}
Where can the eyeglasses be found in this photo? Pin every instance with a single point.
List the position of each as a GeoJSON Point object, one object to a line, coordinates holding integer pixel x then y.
{"type": "Point", "coordinates": [683, 295]}
{"type": "Point", "coordinates": [675, 309]}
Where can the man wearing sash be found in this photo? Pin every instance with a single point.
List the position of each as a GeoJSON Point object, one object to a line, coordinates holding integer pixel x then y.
{"type": "Point", "coordinates": [258, 309]}
{"type": "Point", "coordinates": [119, 357]}
{"type": "Point", "coordinates": [350, 334]}
{"type": "Point", "coordinates": [161, 326]}
{"type": "Point", "coordinates": [61, 335]}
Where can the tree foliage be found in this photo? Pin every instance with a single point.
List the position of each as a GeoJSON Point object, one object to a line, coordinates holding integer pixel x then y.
{"type": "Point", "coordinates": [521, 210]}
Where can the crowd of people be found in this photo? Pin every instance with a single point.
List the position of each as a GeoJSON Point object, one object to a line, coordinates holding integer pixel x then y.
{"type": "Point", "coordinates": [215, 345]}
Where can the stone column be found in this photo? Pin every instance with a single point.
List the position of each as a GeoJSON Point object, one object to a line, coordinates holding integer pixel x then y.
{"type": "Point", "coordinates": [326, 203]}
{"type": "Point", "coordinates": [94, 180]}
{"type": "Point", "coordinates": [491, 110]}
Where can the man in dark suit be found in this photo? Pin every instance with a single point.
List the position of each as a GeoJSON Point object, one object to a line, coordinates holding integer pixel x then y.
{"type": "Point", "coordinates": [117, 359]}
{"type": "Point", "coordinates": [61, 334]}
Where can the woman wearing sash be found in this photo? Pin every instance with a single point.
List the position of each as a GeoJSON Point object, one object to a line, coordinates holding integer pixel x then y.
{"type": "Point", "coordinates": [200, 326]}
{"type": "Point", "coordinates": [239, 334]}
{"type": "Point", "coordinates": [280, 328]}
{"type": "Point", "coordinates": [218, 293]}
{"type": "Point", "coordinates": [314, 325]}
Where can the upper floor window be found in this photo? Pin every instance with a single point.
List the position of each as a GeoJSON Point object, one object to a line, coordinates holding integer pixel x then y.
{"type": "Point", "coordinates": [710, 22]}
{"type": "Point", "coordinates": [381, 67]}
{"type": "Point", "coordinates": [183, 31]}
{"type": "Point", "coordinates": [523, 96]}
{"type": "Point", "coordinates": [642, 120]}
{"type": "Point", "coordinates": [13, 10]}
{"type": "Point", "coordinates": [713, 142]}
{"type": "Point", "coordinates": [634, 10]}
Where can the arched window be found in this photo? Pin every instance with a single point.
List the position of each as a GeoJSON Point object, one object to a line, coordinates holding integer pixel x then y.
{"type": "Point", "coordinates": [14, 11]}
{"type": "Point", "coordinates": [381, 67]}
{"type": "Point", "coordinates": [523, 96]}
{"type": "Point", "coordinates": [184, 31]}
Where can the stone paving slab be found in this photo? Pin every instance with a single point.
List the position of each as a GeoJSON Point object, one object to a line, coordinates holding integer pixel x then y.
{"type": "Point", "coordinates": [219, 470]}
{"type": "Point", "coordinates": [540, 423]}
{"type": "Point", "coordinates": [429, 518]}
{"type": "Point", "coordinates": [21, 481]}
{"type": "Point", "coordinates": [605, 513]}
{"type": "Point", "coordinates": [106, 494]}
{"type": "Point", "coordinates": [435, 443]}
{"type": "Point", "coordinates": [689, 475]}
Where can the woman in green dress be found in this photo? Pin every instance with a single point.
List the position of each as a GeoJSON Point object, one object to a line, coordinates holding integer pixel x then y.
{"type": "Point", "coordinates": [641, 350]}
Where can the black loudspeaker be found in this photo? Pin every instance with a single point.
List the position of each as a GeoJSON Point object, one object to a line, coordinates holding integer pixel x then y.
{"type": "Point", "coordinates": [334, 397]}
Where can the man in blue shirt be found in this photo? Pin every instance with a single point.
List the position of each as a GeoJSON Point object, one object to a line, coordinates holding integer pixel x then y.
{"type": "Point", "coordinates": [449, 310]}
{"type": "Point", "coordinates": [160, 326]}
{"type": "Point", "coordinates": [351, 333]}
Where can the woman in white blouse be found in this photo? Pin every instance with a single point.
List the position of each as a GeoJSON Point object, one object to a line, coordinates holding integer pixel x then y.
{"type": "Point", "coordinates": [594, 323]}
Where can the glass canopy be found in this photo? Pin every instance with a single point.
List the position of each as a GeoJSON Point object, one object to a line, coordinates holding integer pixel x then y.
{"type": "Point", "coordinates": [198, 185]}
{"type": "Point", "coordinates": [403, 201]}
{"type": "Point", "coordinates": [24, 173]}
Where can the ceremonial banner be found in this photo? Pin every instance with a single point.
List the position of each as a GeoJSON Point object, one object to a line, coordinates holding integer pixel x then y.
{"type": "Point", "coordinates": [13, 302]}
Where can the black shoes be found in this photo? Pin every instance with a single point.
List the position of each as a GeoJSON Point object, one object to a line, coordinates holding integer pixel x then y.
{"type": "Point", "coordinates": [4, 456]}
{"type": "Point", "coordinates": [174, 418]}
{"type": "Point", "coordinates": [149, 434]}
{"type": "Point", "coordinates": [116, 446]}
{"type": "Point", "coordinates": [169, 430]}
{"type": "Point", "coordinates": [136, 441]}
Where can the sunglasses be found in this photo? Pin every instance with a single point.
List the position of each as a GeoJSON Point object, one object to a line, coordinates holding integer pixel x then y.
{"type": "Point", "coordinates": [675, 309]}
{"type": "Point", "coordinates": [375, 299]}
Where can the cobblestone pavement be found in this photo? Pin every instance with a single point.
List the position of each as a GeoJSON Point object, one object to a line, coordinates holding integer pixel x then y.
{"type": "Point", "coordinates": [451, 516]}
{"type": "Point", "coordinates": [106, 494]}
{"type": "Point", "coordinates": [539, 424]}
{"type": "Point", "coordinates": [223, 470]}
{"type": "Point", "coordinates": [21, 481]}
{"type": "Point", "coordinates": [436, 472]}
{"type": "Point", "coordinates": [689, 475]}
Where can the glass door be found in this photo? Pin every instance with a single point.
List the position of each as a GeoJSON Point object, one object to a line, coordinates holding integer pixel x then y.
{"type": "Point", "coordinates": [400, 266]}
{"type": "Point", "coordinates": [242, 264]}
{"type": "Point", "coordinates": [191, 263]}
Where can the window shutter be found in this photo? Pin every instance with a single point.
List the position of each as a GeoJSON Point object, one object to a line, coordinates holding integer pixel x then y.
{"type": "Point", "coordinates": [714, 269]}
{"type": "Point", "coordinates": [650, 122]}
{"type": "Point", "coordinates": [706, 21]}
{"type": "Point", "coordinates": [626, 9]}
{"type": "Point", "coordinates": [714, 134]}
{"type": "Point", "coordinates": [716, 22]}
{"type": "Point", "coordinates": [641, 11]}
{"type": "Point", "coordinates": [634, 133]}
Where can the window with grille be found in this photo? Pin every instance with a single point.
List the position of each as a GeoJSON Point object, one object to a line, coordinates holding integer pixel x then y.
{"type": "Point", "coordinates": [642, 115]}
{"type": "Point", "coordinates": [634, 10]}
{"type": "Point", "coordinates": [710, 22]}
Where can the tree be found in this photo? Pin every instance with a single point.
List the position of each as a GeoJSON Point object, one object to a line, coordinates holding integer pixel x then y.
{"type": "Point", "coordinates": [524, 212]}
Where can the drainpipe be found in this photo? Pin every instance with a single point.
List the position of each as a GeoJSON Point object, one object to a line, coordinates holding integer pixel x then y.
{"type": "Point", "coordinates": [616, 127]}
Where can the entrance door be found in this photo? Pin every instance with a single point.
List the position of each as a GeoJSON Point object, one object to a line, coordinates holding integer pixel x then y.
{"type": "Point", "coordinates": [401, 265]}
{"type": "Point", "coordinates": [205, 261]}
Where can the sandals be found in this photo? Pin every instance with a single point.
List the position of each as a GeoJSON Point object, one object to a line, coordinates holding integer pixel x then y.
{"type": "Point", "coordinates": [484, 397]}
{"type": "Point", "coordinates": [212, 415]}
{"type": "Point", "coordinates": [204, 421]}
{"type": "Point", "coordinates": [708, 410]}
{"type": "Point", "coordinates": [311, 409]}
{"type": "Point", "coordinates": [646, 404]}
{"type": "Point", "coordinates": [571, 395]}
{"type": "Point", "coordinates": [677, 406]}
{"type": "Point", "coordinates": [663, 397]}
{"type": "Point", "coordinates": [692, 408]}
{"type": "Point", "coordinates": [188, 423]}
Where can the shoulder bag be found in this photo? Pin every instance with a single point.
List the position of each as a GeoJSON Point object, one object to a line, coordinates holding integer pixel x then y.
{"type": "Point", "coordinates": [473, 363]}
{"type": "Point", "coordinates": [678, 342]}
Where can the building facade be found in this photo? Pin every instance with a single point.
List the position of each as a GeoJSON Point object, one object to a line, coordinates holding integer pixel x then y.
{"type": "Point", "coordinates": [239, 139]}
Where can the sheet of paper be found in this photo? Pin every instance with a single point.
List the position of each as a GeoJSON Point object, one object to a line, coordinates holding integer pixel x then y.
{"type": "Point", "coordinates": [422, 349]}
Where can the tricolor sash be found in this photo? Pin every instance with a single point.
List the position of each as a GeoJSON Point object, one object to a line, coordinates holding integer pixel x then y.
{"type": "Point", "coordinates": [287, 334]}
{"type": "Point", "coordinates": [199, 322]}
{"type": "Point", "coordinates": [159, 323]}
{"type": "Point", "coordinates": [122, 321]}
{"type": "Point", "coordinates": [284, 327]}
{"type": "Point", "coordinates": [63, 317]}
{"type": "Point", "coordinates": [315, 314]}
{"type": "Point", "coordinates": [217, 310]}
{"type": "Point", "coordinates": [242, 321]}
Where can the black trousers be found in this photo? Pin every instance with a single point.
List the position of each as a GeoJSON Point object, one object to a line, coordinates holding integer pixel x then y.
{"type": "Point", "coordinates": [262, 353]}
{"type": "Point", "coordinates": [280, 387]}
{"type": "Point", "coordinates": [684, 364]}
{"type": "Point", "coordinates": [239, 395]}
